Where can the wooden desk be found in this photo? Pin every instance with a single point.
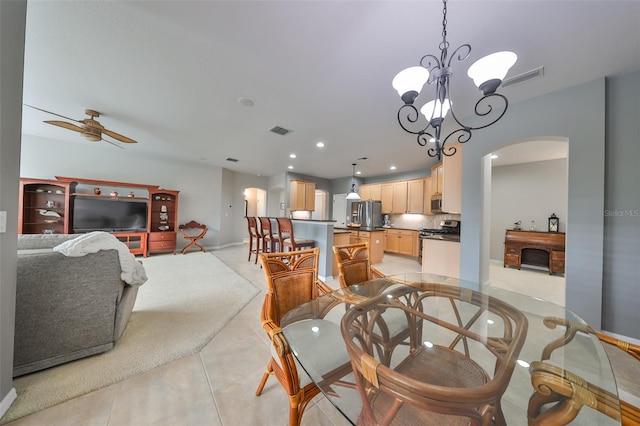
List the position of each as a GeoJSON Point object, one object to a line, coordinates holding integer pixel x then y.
{"type": "Point", "coordinates": [544, 249]}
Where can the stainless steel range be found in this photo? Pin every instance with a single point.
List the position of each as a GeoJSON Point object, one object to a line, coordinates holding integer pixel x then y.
{"type": "Point", "coordinates": [449, 231]}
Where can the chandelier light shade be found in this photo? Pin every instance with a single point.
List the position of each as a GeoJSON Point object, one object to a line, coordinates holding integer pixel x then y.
{"type": "Point", "coordinates": [353, 194]}
{"type": "Point", "coordinates": [487, 74]}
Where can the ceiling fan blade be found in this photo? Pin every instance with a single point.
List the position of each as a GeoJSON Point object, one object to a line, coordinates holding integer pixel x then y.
{"type": "Point", "coordinates": [65, 125]}
{"type": "Point", "coordinates": [118, 136]}
{"type": "Point", "coordinates": [53, 113]}
{"type": "Point", "coordinates": [112, 143]}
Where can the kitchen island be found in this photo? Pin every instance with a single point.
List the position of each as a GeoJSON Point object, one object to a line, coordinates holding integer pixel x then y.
{"type": "Point", "coordinates": [320, 231]}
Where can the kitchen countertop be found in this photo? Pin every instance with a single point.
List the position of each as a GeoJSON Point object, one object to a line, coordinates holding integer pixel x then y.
{"type": "Point", "coordinates": [354, 228]}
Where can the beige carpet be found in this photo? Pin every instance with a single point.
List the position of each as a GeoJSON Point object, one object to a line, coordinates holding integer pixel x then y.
{"type": "Point", "coordinates": [186, 302]}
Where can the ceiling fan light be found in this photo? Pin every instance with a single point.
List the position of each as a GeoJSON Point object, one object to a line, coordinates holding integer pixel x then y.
{"type": "Point", "coordinates": [435, 111]}
{"type": "Point", "coordinates": [488, 72]}
{"type": "Point", "coordinates": [91, 136]}
{"type": "Point", "coordinates": [409, 82]}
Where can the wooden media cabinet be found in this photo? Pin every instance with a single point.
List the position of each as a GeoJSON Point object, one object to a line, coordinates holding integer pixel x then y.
{"type": "Point", "coordinates": [545, 249]}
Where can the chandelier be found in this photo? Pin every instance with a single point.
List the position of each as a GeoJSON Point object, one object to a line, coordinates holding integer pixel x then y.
{"type": "Point", "coordinates": [487, 73]}
{"type": "Point", "coordinates": [353, 194]}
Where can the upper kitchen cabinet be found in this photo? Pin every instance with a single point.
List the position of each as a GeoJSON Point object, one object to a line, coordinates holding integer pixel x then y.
{"type": "Point", "coordinates": [428, 191]}
{"type": "Point", "coordinates": [399, 204]}
{"type": "Point", "coordinates": [415, 196]}
{"type": "Point", "coordinates": [371, 192]}
{"type": "Point", "coordinates": [452, 182]}
{"type": "Point", "coordinates": [302, 195]}
{"type": "Point", "coordinates": [446, 182]}
{"type": "Point", "coordinates": [386, 196]}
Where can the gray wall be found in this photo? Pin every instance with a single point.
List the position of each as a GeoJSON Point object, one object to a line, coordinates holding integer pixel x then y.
{"type": "Point", "coordinates": [576, 113]}
{"type": "Point", "coordinates": [622, 207]}
{"type": "Point", "coordinates": [526, 192]}
{"type": "Point", "coordinates": [12, 25]}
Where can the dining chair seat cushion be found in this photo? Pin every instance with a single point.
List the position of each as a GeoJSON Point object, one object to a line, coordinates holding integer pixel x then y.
{"type": "Point", "coordinates": [329, 350]}
{"type": "Point", "coordinates": [439, 366]}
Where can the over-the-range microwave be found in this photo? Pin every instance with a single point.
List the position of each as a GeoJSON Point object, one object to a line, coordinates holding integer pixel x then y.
{"type": "Point", "coordinates": [436, 203]}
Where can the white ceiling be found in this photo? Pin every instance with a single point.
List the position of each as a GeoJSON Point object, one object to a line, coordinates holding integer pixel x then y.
{"type": "Point", "coordinates": [169, 74]}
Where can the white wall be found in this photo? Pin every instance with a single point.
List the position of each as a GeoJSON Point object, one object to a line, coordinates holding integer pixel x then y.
{"type": "Point", "coordinates": [526, 192]}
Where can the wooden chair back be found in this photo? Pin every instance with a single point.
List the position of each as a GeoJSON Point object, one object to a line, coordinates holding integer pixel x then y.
{"type": "Point", "coordinates": [354, 264]}
{"type": "Point", "coordinates": [287, 239]}
{"type": "Point", "coordinates": [255, 237]}
{"type": "Point", "coordinates": [270, 242]}
{"type": "Point", "coordinates": [439, 381]}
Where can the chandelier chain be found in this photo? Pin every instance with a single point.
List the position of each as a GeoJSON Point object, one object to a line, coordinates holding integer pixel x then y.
{"type": "Point", "coordinates": [445, 44]}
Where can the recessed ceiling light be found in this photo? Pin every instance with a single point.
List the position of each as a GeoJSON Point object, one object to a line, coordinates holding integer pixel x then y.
{"type": "Point", "coordinates": [392, 168]}
{"type": "Point", "coordinates": [292, 156]}
{"type": "Point", "coordinates": [493, 156]}
{"type": "Point", "coordinates": [320, 144]}
{"type": "Point", "coordinates": [358, 172]}
{"type": "Point", "coordinates": [290, 167]}
{"type": "Point", "coordinates": [248, 102]}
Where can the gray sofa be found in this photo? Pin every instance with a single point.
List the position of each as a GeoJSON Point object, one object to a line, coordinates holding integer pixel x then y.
{"type": "Point", "coordinates": [66, 307]}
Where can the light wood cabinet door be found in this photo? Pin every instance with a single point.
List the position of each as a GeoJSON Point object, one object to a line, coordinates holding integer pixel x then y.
{"type": "Point", "coordinates": [376, 191]}
{"type": "Point", "coordinates": [386, 196]}
{"type": "Point", "coordinates": [365, 192]}
{"type": "Point", "coordinates": [427, 195]}
{"type": "Point", "coordinates": [436, 179]}
{"type": "Point", "coordinates": [399, 204]}
{"type": "Point", "coordinates": [452, 182]}
{"type": "Point", "coordinates": [401, 242]}
{"type": "Point", "coordinates": [415, 197]}
{"type": "Point", "coordinates": [302, 195]}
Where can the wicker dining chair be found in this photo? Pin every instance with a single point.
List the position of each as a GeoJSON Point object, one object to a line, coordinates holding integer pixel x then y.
{"type": "Point", "coordinates": [354, 264]}
{"type": "Point", "coordinates": [440, 380]}
{"type": "Point", "coordinates": [559, 395]}
{"type": "Point", "coordinates": [254, 237]}
{"type": "Point", "coordinates": [292, 279]}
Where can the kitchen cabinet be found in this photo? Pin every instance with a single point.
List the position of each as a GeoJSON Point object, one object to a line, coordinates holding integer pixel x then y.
{"type": "Point", "coordinates": [415, 196]}
{"type": "Point", "coordinates": [399, 203]}
{"type": "Point", "coordinates": [371, 192]}
{"type": "Point", "coordinates": [402, 241]}
{"type": "Point", "coordinates": [302, 195]}
{"type": "Point", "coordinates": [441, 257]}
{"type": "Point", "coordinates": [386, 196]}
{"type": "Point", "coordinates": [427, 195]}
{"type": "Point", "coordinates": [375, 240]}
{"type": "Point", "coordinates": [452, 182]}
{"type": "Point", "coordinates": [446, 181]}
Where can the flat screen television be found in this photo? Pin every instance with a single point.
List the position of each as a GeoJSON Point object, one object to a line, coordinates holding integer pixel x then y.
{"type": "Point", "coordinates": [109, 215]}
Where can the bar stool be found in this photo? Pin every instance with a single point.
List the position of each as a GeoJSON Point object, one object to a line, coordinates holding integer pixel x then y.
{"type": "Point", "coordinates": [270, 242]}
{"type": "Point", "coordinates": [285, 233]}
{"type": "Point", "coordinates": [254, 235]}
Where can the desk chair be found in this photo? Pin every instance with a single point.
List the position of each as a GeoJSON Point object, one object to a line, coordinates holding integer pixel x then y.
{"type": "Point", "coordinates": [254, 237]}
{"type": "Point", "coordinates": [440, 383]}
{"type": "Point", "coordinates": [194, 232]}
{"type": "Point", "coordinates": [292, 279]}
{"type": "Point", "coordinates": [287, 240]}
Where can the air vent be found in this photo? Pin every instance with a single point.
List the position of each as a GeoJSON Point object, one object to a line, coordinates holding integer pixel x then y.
{"type": "Point", "coordinates": [279, 130]}
{"type": "Point", "coordinates": [529, 75]}
{"type": "Point", "coordinates": [233, 160]}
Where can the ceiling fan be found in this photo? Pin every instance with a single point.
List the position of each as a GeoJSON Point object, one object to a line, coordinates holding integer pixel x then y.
{"type": "Point", "coordinates": [90, 129]}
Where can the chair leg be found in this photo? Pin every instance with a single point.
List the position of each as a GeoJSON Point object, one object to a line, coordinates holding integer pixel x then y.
{"type": "Point", "coordinates": [250, 247]}
{"type": "Point", "coordinates": [258, 242]}
{"type": "Point", "coordinates": [263, 381]}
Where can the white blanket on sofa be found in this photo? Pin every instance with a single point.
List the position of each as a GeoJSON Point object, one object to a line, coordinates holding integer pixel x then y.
{"type": "Point", "coordinates": [133, 272]}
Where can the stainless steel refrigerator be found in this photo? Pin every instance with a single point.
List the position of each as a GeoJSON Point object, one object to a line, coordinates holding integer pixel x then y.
{"type": "Point", "coordinates": [367, 214]}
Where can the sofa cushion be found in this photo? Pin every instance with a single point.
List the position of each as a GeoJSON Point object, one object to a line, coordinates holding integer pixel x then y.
{"type": "Point", "coordinates": [42, 241]}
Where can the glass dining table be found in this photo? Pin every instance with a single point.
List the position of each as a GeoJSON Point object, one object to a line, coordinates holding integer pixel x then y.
{"type": "Point", "coordinates": [553, 354]}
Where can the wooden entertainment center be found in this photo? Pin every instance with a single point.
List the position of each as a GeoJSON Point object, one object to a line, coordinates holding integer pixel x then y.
{"type": "Point", "coordinates": [47, 206]}
{"type": "Point", "coordinates": [544, 249]}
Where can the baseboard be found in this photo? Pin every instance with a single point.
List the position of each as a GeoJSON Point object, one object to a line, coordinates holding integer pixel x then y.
{"type": "Point", "coordinates": [7, 401]}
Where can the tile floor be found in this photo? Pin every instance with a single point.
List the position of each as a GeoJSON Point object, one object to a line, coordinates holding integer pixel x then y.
{"type": "Point", "coordinates": [217, 386]}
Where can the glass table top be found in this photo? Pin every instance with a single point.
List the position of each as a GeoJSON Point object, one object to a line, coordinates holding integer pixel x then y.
{"type": "Point", "coordinates": [313, 331]}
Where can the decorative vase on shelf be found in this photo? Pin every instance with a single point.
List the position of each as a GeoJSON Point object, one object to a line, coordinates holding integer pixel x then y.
{"type": "Point", "coordinates": [532, 227]}
{"type": "Point", "coordinates": [96, 191]}
{"type": "Point", "coordinates": [114, 194]}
